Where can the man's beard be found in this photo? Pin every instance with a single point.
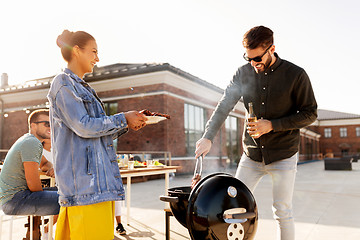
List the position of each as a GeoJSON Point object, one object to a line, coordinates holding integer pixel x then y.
{"type": "Point", "coordinates": [268, 62]}
{"type": "Point", "coordinates": [266, 65]}
{"type": "Point", "coordinates": [43, 135]}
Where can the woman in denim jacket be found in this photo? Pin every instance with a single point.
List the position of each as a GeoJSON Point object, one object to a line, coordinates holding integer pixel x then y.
{"type": "Point", "coordinates": [86, 168]}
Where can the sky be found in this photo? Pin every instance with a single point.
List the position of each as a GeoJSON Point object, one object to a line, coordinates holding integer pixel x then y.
{"type": "Point", "coordinates": [201, 37]}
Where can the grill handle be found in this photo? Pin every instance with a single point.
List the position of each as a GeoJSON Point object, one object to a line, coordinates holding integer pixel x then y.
{"type": "Point", "coordinates": [237, 215]}
{"type": "Point", "coordinates": [169, 199]}
{"type": "Point", "coordinates": [247, 215]}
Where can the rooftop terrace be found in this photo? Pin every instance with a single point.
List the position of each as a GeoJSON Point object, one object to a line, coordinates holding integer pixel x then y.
{"type": "Point", "coordinates": [326, 206]}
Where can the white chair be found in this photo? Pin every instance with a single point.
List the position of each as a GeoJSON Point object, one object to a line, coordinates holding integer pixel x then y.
{"type": "Point", "coordinates": [4, 218]}
{"type": "Point", "coordinates": [11, 224]}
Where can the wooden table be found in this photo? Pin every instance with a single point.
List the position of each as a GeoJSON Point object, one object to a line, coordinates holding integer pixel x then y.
{"type": "Point", "coordinates": [128, 173]}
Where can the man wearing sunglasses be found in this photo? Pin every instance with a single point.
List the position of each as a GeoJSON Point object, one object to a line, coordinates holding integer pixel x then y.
{"type": "Point", "coordinates": [21, 192]}
{"type": "Point", "coordinates": [283, 101]}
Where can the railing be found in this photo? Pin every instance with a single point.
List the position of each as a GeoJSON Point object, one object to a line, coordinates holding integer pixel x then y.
{"type": "Point", "coordinates": [167, 155]}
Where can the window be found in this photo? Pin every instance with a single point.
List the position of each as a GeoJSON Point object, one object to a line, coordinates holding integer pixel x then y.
{"type": "Point", "coordinates": [344, 152]}
{"type": "Point", "coordinates": [232, 138]}
{"type": "Point", "coordinates": [111, 108]}
{"type": "Point", "coordinates": [194, 121]}
{"type": "Point", "coordinates": [343, 132]}
{"type": "Point", "coordinates": [357, 131]}
{"type": "Point", "coordinates": [327, 132]}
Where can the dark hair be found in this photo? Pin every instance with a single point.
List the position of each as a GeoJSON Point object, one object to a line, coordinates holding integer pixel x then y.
{"type": "Point", "coordinates": [259, 36]}
{"type": "Point", "coordinates": [33, 117]}
{"type": "Point", "coordinates": [67, 40]}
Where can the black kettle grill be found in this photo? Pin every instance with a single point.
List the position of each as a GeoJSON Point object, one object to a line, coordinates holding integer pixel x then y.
{"type": "Point", "coordinates": [218, 207]}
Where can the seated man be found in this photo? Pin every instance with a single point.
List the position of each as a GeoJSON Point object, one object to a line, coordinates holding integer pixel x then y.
{"type": "Point", "coordinates": [21, 192]}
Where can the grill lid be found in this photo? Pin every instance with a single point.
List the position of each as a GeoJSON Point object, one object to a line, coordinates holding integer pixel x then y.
{"type": "Point", "coordinates": [221, 207]}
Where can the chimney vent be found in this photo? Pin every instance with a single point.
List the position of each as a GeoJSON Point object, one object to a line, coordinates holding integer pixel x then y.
{"type": "Point", "coordinates": [4, 80]}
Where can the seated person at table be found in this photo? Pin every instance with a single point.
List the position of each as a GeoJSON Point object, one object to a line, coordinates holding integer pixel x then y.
{"type": "Point", "coordinates": [46, 166]}
{"type": "Point", "coordinates": [47, 150]}
{"type": "Point", "coordinates": [21, 192]}
{"type": "Point", "coordinates": [119, 228]}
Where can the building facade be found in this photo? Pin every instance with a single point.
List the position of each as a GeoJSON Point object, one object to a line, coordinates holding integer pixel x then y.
{"type": "Point", "coordinates": [340, 133]}
{"type": "Point", "coordinates": [162, 88]}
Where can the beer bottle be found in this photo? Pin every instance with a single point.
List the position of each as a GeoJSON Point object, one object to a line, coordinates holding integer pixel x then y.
{"type": "Point", "coordinates": [252, 116]}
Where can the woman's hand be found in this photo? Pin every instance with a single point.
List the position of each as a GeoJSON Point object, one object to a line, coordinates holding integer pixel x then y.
{"type": "Point", "coordinates": [135, 120]}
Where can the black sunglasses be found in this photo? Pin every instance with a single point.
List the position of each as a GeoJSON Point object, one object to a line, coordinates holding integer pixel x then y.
{"type": "Point", "coordinates": [46, 123]}
{"type": "Point", "coordinates": [258, 58]}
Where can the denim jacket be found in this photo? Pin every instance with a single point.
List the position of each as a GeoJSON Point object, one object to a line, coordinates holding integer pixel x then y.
{"type": "Point", "coordinates": [85, 164]}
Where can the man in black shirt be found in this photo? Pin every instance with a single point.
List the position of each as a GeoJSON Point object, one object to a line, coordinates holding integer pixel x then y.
{"type": "Point", "coordinates": [284, 102]}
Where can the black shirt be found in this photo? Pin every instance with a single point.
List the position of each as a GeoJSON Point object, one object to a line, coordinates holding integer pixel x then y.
{"type": "Point", "coordinates": [282, 94]}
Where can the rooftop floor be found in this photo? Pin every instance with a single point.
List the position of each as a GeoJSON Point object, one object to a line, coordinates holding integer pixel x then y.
{"type": "Point", "coordinates": [326, 206]}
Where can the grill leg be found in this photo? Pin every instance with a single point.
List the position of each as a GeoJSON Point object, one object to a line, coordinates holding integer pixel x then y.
{"type": "Point", "coordinates": [167, 224]}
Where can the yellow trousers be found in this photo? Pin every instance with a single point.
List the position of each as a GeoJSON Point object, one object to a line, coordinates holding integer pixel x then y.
{"type": "Point", "coordinates": [88, 222]}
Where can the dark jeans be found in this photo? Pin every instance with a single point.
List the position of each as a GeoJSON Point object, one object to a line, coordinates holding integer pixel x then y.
{"type": "Point", "coordinates": [42, 203]}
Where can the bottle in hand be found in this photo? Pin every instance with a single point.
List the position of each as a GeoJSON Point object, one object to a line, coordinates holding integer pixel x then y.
{"type": "Point", "coordinates": [251, 117]}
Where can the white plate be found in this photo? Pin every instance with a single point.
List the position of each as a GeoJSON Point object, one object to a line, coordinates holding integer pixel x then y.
{"type": "Point", "coordinates": [154, 119]}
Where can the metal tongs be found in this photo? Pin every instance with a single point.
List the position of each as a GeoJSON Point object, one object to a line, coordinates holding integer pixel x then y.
{"type": "Point", "coordinates": [197, 173]}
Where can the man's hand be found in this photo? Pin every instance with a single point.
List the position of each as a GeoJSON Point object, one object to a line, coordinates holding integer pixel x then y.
{"type": "Point", "coordinates": [135, 120]}
{"type": "Point", "coordinates": [50, 173]}
{"type": "Point", "coordinates": [47, 167]}
{"type": "Point", "coordinates": [203, 146]}
{"type": "Point", "coordinates": [259, 128]}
